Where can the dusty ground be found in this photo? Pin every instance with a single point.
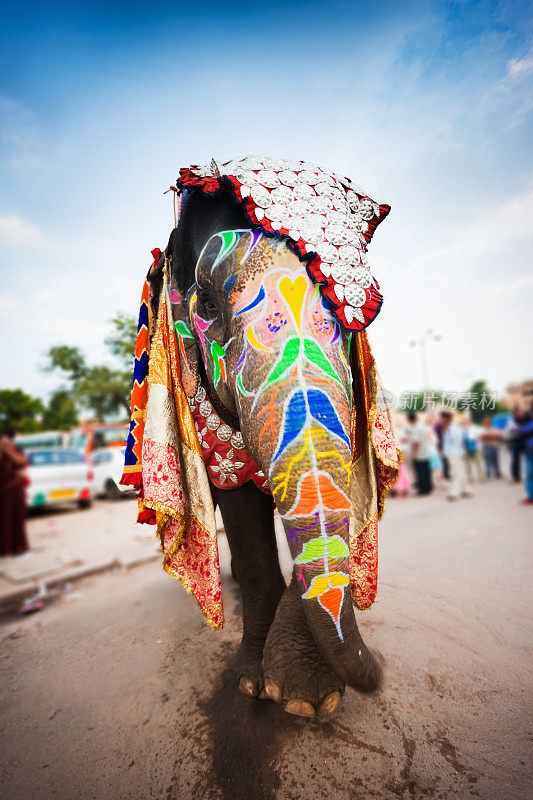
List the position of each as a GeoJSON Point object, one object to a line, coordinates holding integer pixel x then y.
{"type": "Point", "coordinates": [63, 538]}
{"type": "Point", "coordinates": [119, 690]}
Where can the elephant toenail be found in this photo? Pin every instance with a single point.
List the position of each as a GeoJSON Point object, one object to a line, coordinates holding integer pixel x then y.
{"type": "Point", "coordinates": [300, 708]}
{"type": "Point", "coordinates": [330, 704]}
{"type": "Point", "coordinates": [273, 691]}
{"type": "Point", "coordinates": [246, 686]}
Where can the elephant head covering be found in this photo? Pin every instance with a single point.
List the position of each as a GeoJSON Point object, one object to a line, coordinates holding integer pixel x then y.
{"type": "Point", "coordinates": [325, 218]}
{"type": "Point", "coordinates": [175, 438]}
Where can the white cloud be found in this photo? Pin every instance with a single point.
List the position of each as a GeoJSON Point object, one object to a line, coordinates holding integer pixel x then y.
{"type": "Point", "coordinates": [517, 67]}
{"type": "Point", "coordinates": [487, 236]}
{"type": "Point", "coordinates": [8, 306]}
{"type": "Point", "coordinates": [21, 138]}
{"type": "Point", "coordinates": [18, 232]}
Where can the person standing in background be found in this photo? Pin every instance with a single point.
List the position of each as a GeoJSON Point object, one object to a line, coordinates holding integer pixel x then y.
{"type": "Point", "coordinates": [472, 453]}
{"type": "Point", "coordinates": [435, 458]}
{"type": "Point", "coordinates": [438, 430]}
{"type": "Point", "coordinates": [419, 453]}
{"type": "Point", "coordinates": [526, 434]}
{"type": "Point", "coordinates": [403, 482]}
{"type": "Point", "coordinates": [453, 449]}
{"type": "Point", "coordinates": [516, 443]}
{"type": "Point", "coordinates": [490, 440]}
{"type": "Point", "coordinates": [13, 539]}
{"type": "Point", "coordinates": [402, 487]}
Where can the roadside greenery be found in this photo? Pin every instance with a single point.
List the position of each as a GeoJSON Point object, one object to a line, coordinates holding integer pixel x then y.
{"type": "Point", "coordinates": [100, 390]}
{"type": "Point", "coordinates": [478, 401]}
{"type": "Point", "coordinates": [19, 411]}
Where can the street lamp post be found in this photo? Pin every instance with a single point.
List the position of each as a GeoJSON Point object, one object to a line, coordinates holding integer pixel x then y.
{"type": "Point", "coordinates": [428, 336]}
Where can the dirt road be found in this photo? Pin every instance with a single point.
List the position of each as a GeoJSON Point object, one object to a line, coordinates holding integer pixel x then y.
{"type": "Point", "coordinates": [119, 689]}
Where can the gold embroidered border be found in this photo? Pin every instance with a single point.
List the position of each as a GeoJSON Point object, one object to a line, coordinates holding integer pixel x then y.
{"type": "Point", "coordinates": [188, 588]}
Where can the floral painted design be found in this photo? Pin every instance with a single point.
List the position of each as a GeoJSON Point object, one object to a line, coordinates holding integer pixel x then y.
{"type": "Point", "coordinates": [309, 420]}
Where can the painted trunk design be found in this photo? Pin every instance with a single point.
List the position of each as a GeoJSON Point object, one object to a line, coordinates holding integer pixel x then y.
{"type": "Point", "coordinates": [285, 364]}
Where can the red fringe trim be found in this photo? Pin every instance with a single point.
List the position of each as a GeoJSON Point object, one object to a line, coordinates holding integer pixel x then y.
{"type": "Point", "coordinates": [132, 479]}
{"type": "Point", "coordinates": [147, 516]}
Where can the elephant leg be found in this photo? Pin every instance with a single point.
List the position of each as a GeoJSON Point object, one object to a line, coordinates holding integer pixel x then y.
{"type": "Point", "coordinates": [295, 671]}
{"type": "Point", "coordinates": [248, 516]}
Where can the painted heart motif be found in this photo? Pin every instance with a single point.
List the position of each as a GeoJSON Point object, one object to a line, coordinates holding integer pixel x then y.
{"type": "Point", "coordinates": [293, 292]}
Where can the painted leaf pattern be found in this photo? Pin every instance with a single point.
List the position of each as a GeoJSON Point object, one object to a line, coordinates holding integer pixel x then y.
{"type": "Point", "coordinates": [255, 302]}
{"type": "Point", "coordinates": [322, 410]}
{"type": "Point", "coordinates": [333, 547]}
{"type": "Point", "coordinates": [217, 355]}
{"type": "Point", "coordinates": [182, 330]}
{"type": "Point", "coordinates": [314, 353]}
{"type": "Point", "coordinates": [294, 419]}
{"type": "Point", "coordinates": [287, 358]}
{"type": "Point", "coordinates": [322, 583]}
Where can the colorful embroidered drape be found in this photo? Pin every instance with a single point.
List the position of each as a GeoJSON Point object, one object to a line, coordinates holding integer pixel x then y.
{"type": "Point", "coordinates": [375, 460]}
{"type": "Point", "coordinates": [164, 460]}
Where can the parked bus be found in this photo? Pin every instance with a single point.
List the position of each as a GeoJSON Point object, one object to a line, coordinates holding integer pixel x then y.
{"type": "Point", "coordinates": [41, 439]}
{"type": "Point", "coordinates": [95, 435]}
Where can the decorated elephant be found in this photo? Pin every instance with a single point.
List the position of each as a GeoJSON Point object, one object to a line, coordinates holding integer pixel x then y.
{"type": "Point", "coordinates": [255, 390]}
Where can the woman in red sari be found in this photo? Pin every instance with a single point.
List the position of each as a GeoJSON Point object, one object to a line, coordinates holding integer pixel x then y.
{"type": "Point", "coordinates": [13, 539]}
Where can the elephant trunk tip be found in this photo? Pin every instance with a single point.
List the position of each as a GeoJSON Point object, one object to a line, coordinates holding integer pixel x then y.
{"type": "Point", "coordinates": [364, 672]}
{"type": "Point", "coordinates": [370, 674]}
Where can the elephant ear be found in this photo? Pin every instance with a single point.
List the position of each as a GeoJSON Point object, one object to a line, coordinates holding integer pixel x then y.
{"type": "Point", "coordinates": [189, 353]}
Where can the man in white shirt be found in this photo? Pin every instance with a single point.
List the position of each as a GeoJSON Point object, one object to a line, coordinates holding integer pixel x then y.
{"type": "Point", "coordinates": [453, 449]}
{"type": "Point", "coordinates": [419, 452]}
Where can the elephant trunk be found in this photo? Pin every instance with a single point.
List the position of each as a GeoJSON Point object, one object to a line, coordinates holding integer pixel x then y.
{"type": "Point", "coordinates": [309, 476]}
{"type": "Point", "coordinates": [291, 381]}
{"type": "Point", "coordinates": [319, 545]}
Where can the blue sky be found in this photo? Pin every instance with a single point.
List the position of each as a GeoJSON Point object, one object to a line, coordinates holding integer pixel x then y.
{"type": "Point", "coordinates": [426, 104]}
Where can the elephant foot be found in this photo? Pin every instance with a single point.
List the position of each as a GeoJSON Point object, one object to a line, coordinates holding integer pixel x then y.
{"type": "Point", "coordinates": [296, 673]}
{"type": "Point", "coordinates": [249, 671]}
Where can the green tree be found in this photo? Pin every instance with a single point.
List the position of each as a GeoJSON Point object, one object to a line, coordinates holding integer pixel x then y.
{"type": "Point", "coordinates": [61, 413]}
{"type": "Point", "coordinates": [70, 360]}
{"type": "Point", "coordinates": [19, 411]}
{"type": "Point", "coordinates": [485, 401]}
{"type": "Point", "coordinates": [103, 390]}
{"type": "Point", "coordinates": [122, 340]}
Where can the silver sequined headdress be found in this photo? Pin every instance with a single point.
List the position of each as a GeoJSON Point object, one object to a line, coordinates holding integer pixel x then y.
{"type": "Point", "coordinates": [325, 218]}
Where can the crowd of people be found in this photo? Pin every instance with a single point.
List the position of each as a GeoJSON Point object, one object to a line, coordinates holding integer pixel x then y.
{"type": "Point", "coordinates": [439, 451]}
{"type": "Point", "coordinates": [449, 451]}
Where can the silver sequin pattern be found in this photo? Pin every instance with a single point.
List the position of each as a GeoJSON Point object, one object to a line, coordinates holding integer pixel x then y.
{"type": "Point", "coordinates": [325, 210]}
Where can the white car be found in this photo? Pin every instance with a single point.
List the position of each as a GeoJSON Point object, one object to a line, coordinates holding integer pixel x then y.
{"type": "Point", "coordinates": [57, 475]}
{"type": "Point", "coordinates": [46, 439]}
{"type": "Point", "coordinates": [108, 464]}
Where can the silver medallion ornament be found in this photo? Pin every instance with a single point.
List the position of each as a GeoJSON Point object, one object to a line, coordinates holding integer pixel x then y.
{"type": "Point", "coordinates": [328, 219]}
{"type": "Point", "coordinates": [224, 432]}
{"type": "Point", "coordinates": [362, 276]}
{"type": "Point", "coordinates": [260, 195]}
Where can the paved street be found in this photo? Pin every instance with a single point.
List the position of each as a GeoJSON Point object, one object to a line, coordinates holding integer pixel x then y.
{"type": "Point", "coordinates": [66, 542]}
{"type": "Point", "coordinates": [117, 689]}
